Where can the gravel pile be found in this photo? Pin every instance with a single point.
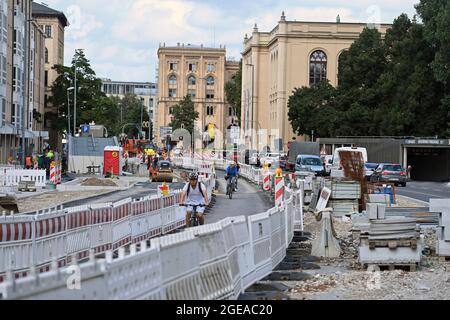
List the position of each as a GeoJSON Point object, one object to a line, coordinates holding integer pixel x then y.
{"type": "Point", "coordinates": [96, 182]}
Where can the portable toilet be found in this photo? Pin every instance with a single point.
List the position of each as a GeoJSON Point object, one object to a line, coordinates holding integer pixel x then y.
{"type": "Point", "coordinates": [112, 161]}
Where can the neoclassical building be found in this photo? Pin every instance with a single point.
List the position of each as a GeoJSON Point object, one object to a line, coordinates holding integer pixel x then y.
{"type": "Point", "coordinates": [292, 55]}
{"type": "Point", "coordinates": [201, 73]}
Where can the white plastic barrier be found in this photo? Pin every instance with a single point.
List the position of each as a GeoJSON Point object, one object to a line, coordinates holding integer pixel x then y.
{"type": "Point", "coordinates": [12, 177]}
{"type": "Point", "coordinates": [216, 261]}
{"type": "Point", "coordinates": [70, 234]}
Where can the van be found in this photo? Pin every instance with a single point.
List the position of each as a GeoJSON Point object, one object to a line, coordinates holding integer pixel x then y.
{"type": "Point", "coordinates": [337, 171]}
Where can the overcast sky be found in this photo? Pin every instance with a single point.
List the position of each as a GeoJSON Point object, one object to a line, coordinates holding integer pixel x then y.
{"type": "Point", "coordinates": [121, 37]}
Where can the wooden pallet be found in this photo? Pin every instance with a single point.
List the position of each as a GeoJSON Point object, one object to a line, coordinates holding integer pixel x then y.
{"type": "Point", "coordinates": [393, 244]}
{"type": "Point", "coordinates": [411, 267]}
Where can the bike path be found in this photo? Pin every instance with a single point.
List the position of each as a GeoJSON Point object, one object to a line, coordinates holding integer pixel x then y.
{"type": "Point", "coordinates": [247, 201]}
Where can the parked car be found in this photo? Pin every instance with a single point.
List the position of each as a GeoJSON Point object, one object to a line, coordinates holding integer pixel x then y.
{"type": "Point", "coordinates": [271, 159]}
{"type": "Point", "coordinates": [393, 173]}
{"type": "Point", "coordinates": [310, 163]}
{"type": "Point", "coordinates": [370, 170]}
{"type": "Point", "coordinates": [283, 162]}
{"type": "Point", "coordinates": [254, 160]}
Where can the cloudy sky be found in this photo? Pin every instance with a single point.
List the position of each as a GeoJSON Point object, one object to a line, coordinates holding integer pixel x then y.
{"type": "Point", "coordinates": [121, 37]}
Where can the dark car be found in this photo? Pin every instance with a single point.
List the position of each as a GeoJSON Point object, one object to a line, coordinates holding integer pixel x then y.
{"type": "Point", "coordinates": [393, 173]}
{"type": "Point", "coordinates": [283, 162]}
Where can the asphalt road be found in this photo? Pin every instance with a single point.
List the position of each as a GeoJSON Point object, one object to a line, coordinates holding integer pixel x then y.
{"type": "Point", "coordinates": [424, 191]}
{"type": "Point", "coordinates": [247, 201]}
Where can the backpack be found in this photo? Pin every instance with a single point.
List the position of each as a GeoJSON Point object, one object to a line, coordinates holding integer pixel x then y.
{"type": "Point", "coordinates": [199, 186]}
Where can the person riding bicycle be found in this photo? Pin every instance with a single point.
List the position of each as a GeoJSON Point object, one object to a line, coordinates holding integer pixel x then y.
{"type": "Point", "coordinates": [194, 194]}
{"type": "Point", "coordinates": [232, 173]}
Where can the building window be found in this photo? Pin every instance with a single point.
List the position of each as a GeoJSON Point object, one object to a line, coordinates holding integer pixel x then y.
{"type": "Point", "coordinates": [210, 94]}
{"type": "Point", "coordinates": [192, 94]}
{"type": "Point", "coordinates": [46, 55]}
{"type": "Point", "coordinates": [210, 81]}
{"type": "Point", "coordinates": [192, 81]}
{"type": "Point", "coordinates": [211, 67]}
{"type": "Point", "coordinates": [172, 80]}
{"type": "Point", "coordinates": [173, 66]}
{"type": "Point", "coordinates": [231, 112]}
{"type": "Point", "coordinates": [48, 31]}
{"type": "Point", "coordinates": [318, 67]}
{"type": "Point", "coordinates": [171, 110]}
{"type": "Point", "coordinates": [192, 67]}
{"type": "Point", "coordinates": [46, 78]}
{"type": "Point", "coordinates": [172, 93]}
{"type": "Point", "coordinates": [210, 111]}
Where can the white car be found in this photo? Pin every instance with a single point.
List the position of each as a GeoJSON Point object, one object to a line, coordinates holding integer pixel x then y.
{"type": "Point", "coordinates": [271, 159]}
{"type": "Point", "coordinates": [254, 159]}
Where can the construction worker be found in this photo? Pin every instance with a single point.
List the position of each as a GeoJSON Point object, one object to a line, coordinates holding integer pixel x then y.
{"type": "Point", "coordinates": [28, 163]}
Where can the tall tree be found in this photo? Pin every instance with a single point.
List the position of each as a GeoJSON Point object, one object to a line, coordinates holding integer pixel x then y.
{"type": "Point", "coordinates": [311, 109]}
{"type": "Point", "coordinates": [184, 115]}
{"type": "Point", "coordinates": [89, 94]}
{"type": "Point", "coordinates": [131, 111]}
{"type": "Point", "coordinates": [233, 92]}
{"type": "Point", "coordinates": [436, 19]}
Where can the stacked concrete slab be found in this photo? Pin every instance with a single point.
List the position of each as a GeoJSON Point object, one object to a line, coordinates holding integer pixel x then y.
{"type": "Point", "coordinates": [389, 241]}
{"type": "Point", "coordinates": [443, 231]}
{"type": "Point", "coordinates": [345, 196]}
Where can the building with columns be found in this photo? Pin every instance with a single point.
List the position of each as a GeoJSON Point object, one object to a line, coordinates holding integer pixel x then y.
{"type": "Point", "coordinates": [292, 55]}
{"type": "Point", "coordinates": [201, 73]}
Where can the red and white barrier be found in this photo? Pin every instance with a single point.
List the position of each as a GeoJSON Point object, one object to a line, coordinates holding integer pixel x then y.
{"type": "Point", "coordinates": [279, 192]}
{"type": "Point", "coordinates": [267, 182]}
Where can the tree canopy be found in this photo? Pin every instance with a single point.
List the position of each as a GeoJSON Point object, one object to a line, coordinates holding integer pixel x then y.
{"type": "Point", "coordinates": [396, 86]}
{"type": "Point", "coordinates": [184, 115]}
{"type": "Point", "coordinates": [233, 92]}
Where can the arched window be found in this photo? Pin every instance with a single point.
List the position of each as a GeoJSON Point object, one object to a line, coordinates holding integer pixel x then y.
{"type": "Point", "coordinates": [192, 81]}
{"type": "Point", "coordinates": [210, 81]}
{"type": "Point", "coordinates": [46, 55]}
{"type": "Point", "coordinates": [318, 67]}
{"type": "Point", "coordinates": [172, 80]}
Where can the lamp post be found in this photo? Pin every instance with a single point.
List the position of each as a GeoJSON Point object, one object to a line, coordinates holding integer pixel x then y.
{"type": "Point", "coordinates": [253, 97]}
{"type": "Point", "coordinates": [68, 110]}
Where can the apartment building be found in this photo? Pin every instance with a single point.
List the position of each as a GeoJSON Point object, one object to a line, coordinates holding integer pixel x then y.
{"type": "Point", "coordinates": [201, 73]}
{"type": "Point", "coordinates": [21, 80]}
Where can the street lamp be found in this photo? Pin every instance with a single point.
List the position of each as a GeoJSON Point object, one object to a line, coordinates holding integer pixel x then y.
{"type": "Point", "coordinates": [68, 110]}
{"type": "Point", "coordinates": [253, 93]}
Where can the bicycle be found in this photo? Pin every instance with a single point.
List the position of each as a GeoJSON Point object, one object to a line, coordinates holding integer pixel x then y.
{"type": "Point", "coordinates": [231, 186]}
{"type": "Point", "coordinates": [194, 222]}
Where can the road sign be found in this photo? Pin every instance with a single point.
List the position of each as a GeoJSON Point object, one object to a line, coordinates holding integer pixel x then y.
{"type": "Point", "coordinates": [85, 129]}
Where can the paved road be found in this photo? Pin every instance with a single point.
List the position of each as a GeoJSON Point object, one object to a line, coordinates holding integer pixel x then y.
{"type": "Point", "coordinates": [424, 191]}
{"type": "Point", "coordinates": [247, 201]}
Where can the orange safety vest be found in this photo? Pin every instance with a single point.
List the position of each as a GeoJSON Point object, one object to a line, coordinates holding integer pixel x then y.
{"type": "Point", "coordinates": [28, 161]}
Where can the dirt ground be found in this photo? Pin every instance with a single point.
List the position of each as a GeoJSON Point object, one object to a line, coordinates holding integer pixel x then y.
{"type": "Point", "coordinates": [53, 199]}
{"type": "Point", "coordinates": [344, 278]}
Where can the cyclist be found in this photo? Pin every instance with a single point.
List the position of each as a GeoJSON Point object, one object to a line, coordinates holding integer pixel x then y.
{"type": "Point", "coordinates": [194, 193]}
{"type": "Point", "coordinates": [232, 173]}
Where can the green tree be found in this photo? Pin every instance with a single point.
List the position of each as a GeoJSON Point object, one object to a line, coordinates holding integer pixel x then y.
{"type": "Point", "coordinates": [233, 92]}
{"type": "Point", "coordinates": [311, 109]}
{"type": "Point", "coordinates": [131, 109]}
{"type": "Point", "coordinates": [184, 115]}
{"type": "Point", "coordinates": [436, 20]}
{"type": "Point", "coordinates": [89, 95]}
